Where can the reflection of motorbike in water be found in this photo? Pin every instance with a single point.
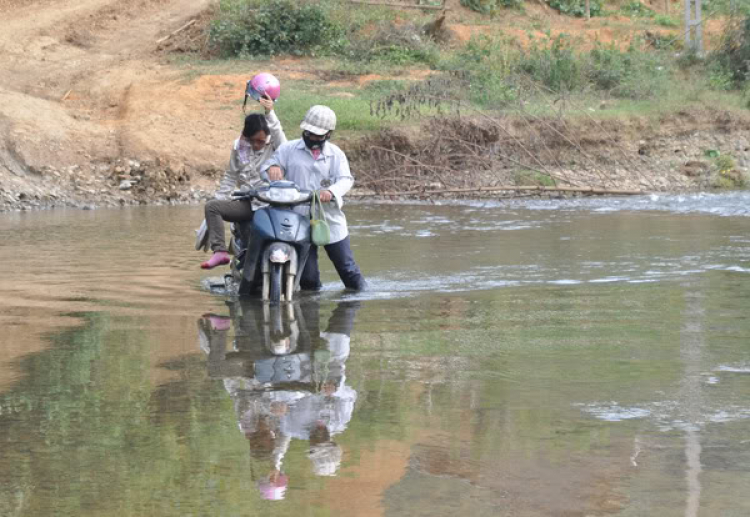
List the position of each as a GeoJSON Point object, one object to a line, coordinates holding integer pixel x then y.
{"type": "Point", "coordinates": [286, 379]}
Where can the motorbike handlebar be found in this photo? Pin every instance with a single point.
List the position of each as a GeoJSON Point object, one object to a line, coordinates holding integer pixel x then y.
{"type": "Point", "coordinates": [245, 195]}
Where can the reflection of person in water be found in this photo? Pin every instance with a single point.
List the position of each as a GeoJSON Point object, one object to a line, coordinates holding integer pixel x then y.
{"type": "Point", "coordinates": [259, 421]}
{"type": "Point", "coordinates": [287, 381]}
{"type": "Point", "coordinates": [327, 411]}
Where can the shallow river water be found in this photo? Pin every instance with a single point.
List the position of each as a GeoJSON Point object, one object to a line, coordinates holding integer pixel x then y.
{"type": "Point", "coordinates": [523, 358]}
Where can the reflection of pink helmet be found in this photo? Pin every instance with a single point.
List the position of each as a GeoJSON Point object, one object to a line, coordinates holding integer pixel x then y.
{"type": "Point", "coordinates": [263, 83]}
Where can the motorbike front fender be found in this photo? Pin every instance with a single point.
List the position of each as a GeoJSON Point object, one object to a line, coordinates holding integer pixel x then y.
{"type": "Point", "coordinates": [288, 250]}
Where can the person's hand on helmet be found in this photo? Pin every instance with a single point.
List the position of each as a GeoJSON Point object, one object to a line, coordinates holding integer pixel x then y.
{"type": "Point", "coordinates": [325, 196]}
{"type": "Point", "coordinates": [275, 173]}
{"type": "Point", "coordinates": [266, 102]}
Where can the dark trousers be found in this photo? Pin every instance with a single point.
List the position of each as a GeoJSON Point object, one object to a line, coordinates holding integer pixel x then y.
{"type": "Point", "coordinates": [342, 319]}
{"type": "Point", "coordinates": [340, 253]}
{"type": "Point", "coordinates": [218, 211]}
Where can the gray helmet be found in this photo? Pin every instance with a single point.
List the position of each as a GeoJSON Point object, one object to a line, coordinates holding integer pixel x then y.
{"type": "Point", "coordinates": [319, 120]}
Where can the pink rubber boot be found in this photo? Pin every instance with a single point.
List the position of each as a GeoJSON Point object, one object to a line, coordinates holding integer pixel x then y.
{"type": "Point", "coordinates": [219, 258]}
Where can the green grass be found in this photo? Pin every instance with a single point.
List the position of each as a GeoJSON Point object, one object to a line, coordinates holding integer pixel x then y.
{"type": "Point", "coordinates": [352, 112]}
{"type": "Point", "coordinates": [666, 20]}
{"type": "Point", "coordinates": [352, 104]}
{"type": "Point", "coordinates": [527, 177]}
{"type": "Point", "coordinates": [640, 83]}
{"type": "Point", "coordinates": [689, 96]}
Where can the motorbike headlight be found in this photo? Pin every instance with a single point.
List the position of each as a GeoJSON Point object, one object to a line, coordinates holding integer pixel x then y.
{"type": "Point", "coordinates": [282, 346]}
{"type": "Point", "coordinates": [280, 195]}
{"type": "Point", "coordinates": [278, 256]}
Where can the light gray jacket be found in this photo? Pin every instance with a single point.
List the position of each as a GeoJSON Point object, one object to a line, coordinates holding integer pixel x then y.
{"type": "Point", "coordinates": [247, 174]}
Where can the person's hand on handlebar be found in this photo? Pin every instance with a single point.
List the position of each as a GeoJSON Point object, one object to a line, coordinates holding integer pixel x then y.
{"type": "Point", "coordinates": [275, 173]}
{"type": "Point", "coordinates": [325, 196]}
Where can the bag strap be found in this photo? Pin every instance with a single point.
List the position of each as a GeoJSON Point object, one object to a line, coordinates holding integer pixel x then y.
{"type": "Point", "coordinates": [315, 201]}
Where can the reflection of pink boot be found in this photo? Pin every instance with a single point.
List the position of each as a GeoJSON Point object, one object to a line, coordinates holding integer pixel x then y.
{"type": "Point", "coordinates": [219, 258]}
{"type": "Point", "coordinates": [220, 322]}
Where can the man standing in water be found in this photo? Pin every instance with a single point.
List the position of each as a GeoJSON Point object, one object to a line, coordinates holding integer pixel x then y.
{"type": "Point", "coordinates": [314, 163]}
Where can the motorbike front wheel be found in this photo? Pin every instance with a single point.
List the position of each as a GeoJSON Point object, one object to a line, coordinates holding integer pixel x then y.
{"type": "Point", "coordinates": [274, 291]}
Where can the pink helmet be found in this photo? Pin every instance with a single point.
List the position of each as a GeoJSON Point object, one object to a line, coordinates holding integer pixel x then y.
{"type": "Point", "coordinates": [263, 83]}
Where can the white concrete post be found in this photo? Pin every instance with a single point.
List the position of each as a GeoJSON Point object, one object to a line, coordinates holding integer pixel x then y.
{"type": "Point", "coordinates": [693, 38]}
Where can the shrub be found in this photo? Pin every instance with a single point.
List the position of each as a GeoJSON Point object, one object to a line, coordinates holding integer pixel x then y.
{"type": "Point", "coordinates": [529, 177]}
{"type": "Point", "coordinates": [556, 66]}
{"type": "Point", "coordinates": [489, 6]}
{"type": "Point", "coordinates": [497, 70]}
{"type": "Point", "coordinates": [665, 21]}
{"type": "Point", "coordinates": [724, 8]}
{"type": "Point", "coordinates": [633, 74]}
{"type": "Point", "coordinates": [726, 175]}
{"type": "Point", "coordinates": [733, 53]}
{"type": "Point", "coordinates": [636, 9]}
{"type": "Point", "coordinates": [576, 7]}
{"type": "Point", "coordinates": [718, 77]}
{"type": "Point", "coordinates": [725, 164]}
{"type": "Point", "coordinates": [483, 52]}
{"type": "Point", "coordinates": [492, 89]}
{"type": "Point", "coordinates": [688, 59]}
{"type": "Point", "coordinates": [273, 27]}
{"type": "Point", "coordinates": [394, 44]}
{"type": "Point", "coordinates": [660, 41]}
{"type": "Point", "coordinates": [488, 69]}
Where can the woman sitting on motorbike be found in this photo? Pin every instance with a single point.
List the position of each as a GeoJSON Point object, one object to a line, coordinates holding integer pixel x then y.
{"type": "Point", "coordinates": [261, 136]}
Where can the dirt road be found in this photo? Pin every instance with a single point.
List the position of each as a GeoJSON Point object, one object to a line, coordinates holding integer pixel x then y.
{"type": "Point", "coordinates": [82, 86]}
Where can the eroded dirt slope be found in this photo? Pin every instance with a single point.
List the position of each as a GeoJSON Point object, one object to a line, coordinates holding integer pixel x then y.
{"type": "Point", "coordinates": [82, 86]}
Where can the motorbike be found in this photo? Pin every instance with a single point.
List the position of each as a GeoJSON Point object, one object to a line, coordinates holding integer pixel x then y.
{"type": "Point", "coordinates": [272, 249]}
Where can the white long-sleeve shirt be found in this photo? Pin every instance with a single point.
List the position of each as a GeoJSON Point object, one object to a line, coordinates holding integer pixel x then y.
{"type": "Point", "coordinates": [329, 171]}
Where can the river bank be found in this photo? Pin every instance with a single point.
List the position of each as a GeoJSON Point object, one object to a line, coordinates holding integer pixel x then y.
{"type": "Point", "coordinates": [688, 151]}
